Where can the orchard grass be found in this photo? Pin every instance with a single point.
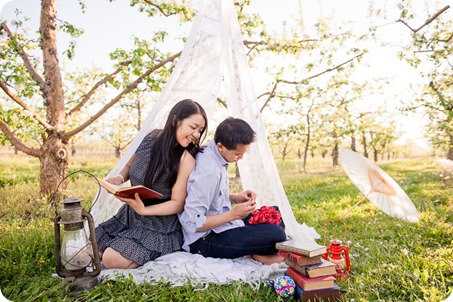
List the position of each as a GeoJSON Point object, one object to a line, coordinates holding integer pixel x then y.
{"type": "Point", "coordinates": [391, 260]}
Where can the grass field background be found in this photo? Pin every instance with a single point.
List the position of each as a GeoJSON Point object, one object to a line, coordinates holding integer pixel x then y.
{"type": "Point", "coordinates": [392, 260]}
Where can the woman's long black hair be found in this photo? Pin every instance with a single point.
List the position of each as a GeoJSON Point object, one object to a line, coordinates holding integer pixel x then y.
{"type": "Point", "coordinates": [167, 152]}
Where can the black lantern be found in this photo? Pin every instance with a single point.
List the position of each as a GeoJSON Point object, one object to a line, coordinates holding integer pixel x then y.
{"type": "Point", "coordinates": [74, 251]}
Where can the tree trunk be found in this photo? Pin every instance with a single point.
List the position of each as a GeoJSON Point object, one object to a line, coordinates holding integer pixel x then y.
{"type": "Point", "coordinates": [450, 154]}
{"type": "Point", "coordinates": [73, 148]}
{"type": "Point", "coordinates": [353, 147]}
{"type": "Point", "coordinates": [450, 150]}
{"type": "Point", "coordinates": [54, 153]}
{"type": "Point", "coordinates": [307, 142]}
{"type": "Point", "coordinates": [117, 152]}
{"type": "Point", "coordinates": [376, 159]}
{"type": "Point", "coordinates": [307, 145]}
{"type": "Point", "coordinates": [365, 150]}
{"type": "Point", "coordinates": [335, 155]}
{"type": "Point", "coordinates": [285, 151]}
{"type": "Point", "coordinates": [54, 165]}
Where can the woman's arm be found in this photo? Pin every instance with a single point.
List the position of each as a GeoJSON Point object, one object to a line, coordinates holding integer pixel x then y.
{"type": "Point", "coordinates": [123, 176]}
{"type": "Point", "coordinates": [178, 193]}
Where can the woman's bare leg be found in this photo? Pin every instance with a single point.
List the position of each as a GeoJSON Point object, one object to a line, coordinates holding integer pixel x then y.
{"type": "Point", "coordinates": [113, 259]}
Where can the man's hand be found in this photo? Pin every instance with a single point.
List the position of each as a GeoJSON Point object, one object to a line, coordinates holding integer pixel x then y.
{"type": "Point", "coordinates": [247, 195]}
{"type": "Point", "coordinates": [243, 209]}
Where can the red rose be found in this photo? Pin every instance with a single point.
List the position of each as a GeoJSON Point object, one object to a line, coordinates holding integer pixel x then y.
{"type": "Point", "coordinates": [265, 215]}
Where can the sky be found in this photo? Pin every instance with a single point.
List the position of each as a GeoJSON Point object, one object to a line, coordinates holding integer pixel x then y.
{"type": "Point", "coordinates": [114, 24]}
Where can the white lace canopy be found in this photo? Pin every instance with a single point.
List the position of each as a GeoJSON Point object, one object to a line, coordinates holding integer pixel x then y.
{"type": "Point", "coordinates": [214, 65]}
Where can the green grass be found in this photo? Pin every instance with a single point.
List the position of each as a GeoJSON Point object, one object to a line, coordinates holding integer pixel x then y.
{"type": "Point", "coordinates": [391, 260]}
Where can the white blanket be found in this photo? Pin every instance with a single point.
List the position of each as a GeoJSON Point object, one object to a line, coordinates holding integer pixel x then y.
{"type": "Point", "coordinates": [180, 268]}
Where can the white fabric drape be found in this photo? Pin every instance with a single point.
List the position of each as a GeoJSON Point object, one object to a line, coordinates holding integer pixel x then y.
{"type": "Point", "coordinates": [178, 268]}
{"type": "Point", "coordinates": [214, 65]}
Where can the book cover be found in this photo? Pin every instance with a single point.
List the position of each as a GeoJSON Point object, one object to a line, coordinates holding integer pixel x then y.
{"type": "Point", "coordinates": [308, 249]}
{"type": "Point", "coordinates": [326, 294]}
{"type": "Point", "coordinates": [325, 268]}
{"type": "Point", "coordinates": [300, 260]}
{"type": "Point", "coordinates": [129, 192]}
{"type": "Point", "coordinates": [311, 283]}
{"type": "Point", "coordinates": [283, 253]}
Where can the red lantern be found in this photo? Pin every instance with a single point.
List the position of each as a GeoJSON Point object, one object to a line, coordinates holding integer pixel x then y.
{"type": "Point", "coordinates": [338, 254]}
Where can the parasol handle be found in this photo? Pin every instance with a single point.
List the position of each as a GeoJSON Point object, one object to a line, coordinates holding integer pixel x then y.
{"type": "Point", "coordinates": [357, 203]}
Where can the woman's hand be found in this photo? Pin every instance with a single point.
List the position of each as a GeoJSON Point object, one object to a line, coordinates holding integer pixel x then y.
{"type": "Point", "coordinates": [135, 203]}
{"type": "Point", "coordinates": [116, 180]}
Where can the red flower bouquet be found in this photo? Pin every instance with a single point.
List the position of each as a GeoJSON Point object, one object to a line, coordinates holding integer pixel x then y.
{"type": "Point", "coordinates": [266, 214]}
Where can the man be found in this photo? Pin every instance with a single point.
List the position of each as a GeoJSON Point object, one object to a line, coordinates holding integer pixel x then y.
{"type": "Point", "coordinates": [211, 226]}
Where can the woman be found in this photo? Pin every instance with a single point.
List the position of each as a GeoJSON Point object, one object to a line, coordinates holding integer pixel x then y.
{"type": "Point", "coordinates": [143, 230]}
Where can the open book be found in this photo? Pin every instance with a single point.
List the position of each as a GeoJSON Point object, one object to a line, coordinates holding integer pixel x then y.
{"type": "Point", "coordinates": [129, 192]}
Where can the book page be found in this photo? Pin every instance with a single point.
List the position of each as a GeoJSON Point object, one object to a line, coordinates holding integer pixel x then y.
{"type": "Point", "coordinates": [129, 192]}
{"type": "Point", "coordinates": [111, 188]}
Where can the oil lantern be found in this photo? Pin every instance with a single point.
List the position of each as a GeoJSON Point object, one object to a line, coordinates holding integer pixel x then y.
{"type": "Point", "coordinates": [76, 257]}
{"type": "Point", "coordinates": [338, 254]}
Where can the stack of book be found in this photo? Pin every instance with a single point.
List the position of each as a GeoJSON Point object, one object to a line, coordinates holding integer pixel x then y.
{"type": "Point", "coordinates": [314, 276]}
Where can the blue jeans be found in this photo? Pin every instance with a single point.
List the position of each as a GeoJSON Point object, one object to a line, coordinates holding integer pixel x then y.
{"type": "Point", "coordinates": [256, 239]}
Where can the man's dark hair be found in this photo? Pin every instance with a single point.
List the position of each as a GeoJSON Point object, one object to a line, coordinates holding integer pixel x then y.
{"type": "Point", "coordinates": [232, 132]}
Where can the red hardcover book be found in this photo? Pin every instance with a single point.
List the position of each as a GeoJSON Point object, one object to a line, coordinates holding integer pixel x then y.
{"type": "Point", "coordinates": [326, 268]}
{"type": "Point", "coordinates": [311, 283]}
{"type": "Point", "coordinates": [301, 260]}
{"type": "Point", "coordinates": [129, 192]}
{"type": "Point", "coordinates": [283, 253]}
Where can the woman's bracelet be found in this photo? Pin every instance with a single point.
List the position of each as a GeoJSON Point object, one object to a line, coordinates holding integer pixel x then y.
{"type": "Point", "coordinates": [122, 178]}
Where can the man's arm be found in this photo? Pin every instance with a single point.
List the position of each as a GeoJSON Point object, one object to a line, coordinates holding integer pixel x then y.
{"type": "Point", "coordinates": [201, 189]}
{"type": "Point", "coordinates": [238, 212]}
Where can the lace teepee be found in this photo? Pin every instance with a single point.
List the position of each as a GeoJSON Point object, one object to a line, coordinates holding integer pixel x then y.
{"type": "Point", "coordinates": [214, 64]}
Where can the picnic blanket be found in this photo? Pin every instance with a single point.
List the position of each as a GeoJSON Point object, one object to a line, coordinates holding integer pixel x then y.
{"type": "Point", "coordinates": [180, 268]}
